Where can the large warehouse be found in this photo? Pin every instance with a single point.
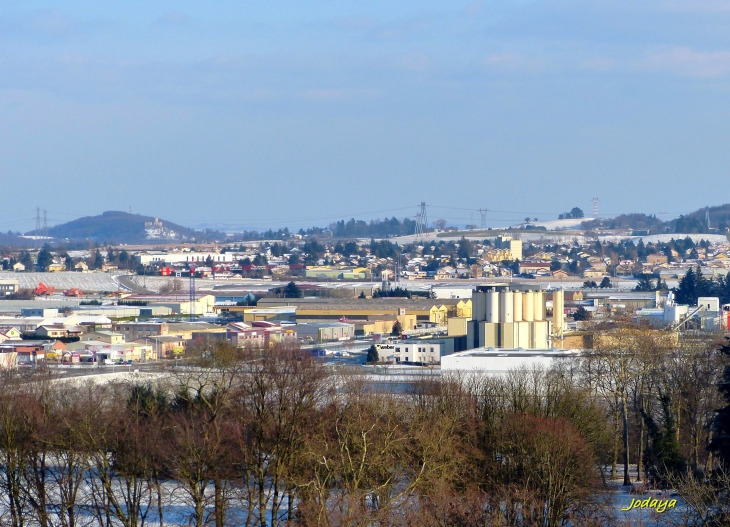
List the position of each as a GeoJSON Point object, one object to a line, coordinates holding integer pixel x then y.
{"type": "Point", "coordinates": [500, 361]}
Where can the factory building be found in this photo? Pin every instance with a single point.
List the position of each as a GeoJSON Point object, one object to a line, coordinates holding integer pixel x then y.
{"type": "Point", "coordinates": [514, 317]}
{"type": "Point", "coordinates": [501, 361]}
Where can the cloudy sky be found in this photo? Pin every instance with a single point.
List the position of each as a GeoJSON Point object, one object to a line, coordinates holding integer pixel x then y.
{"type": "Point", "coordinates": [264, 114]}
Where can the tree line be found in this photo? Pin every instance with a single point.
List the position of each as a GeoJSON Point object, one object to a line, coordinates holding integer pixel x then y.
{"type": "Point", "coordinates": [247, 437]}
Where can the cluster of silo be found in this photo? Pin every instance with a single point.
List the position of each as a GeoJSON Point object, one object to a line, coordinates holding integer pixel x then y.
{"type": "Point", "coordinates": [502, 318]}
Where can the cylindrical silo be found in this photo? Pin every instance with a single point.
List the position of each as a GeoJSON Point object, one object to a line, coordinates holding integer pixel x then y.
{"type": "Point", "coordinates": [518, 306]}
{"type": "Point", "coordinates": [492, 307]}
{"type": "Point", "coordinates": [528, 306]}
{"type": "Point", "coordinates": [475, 305]}
{"type": "Point", "coordinates": [506, 307]}
{"type": "Point", "coordinates": [539, 306]}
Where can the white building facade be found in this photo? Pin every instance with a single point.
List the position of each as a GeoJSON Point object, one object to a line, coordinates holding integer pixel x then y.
{"type": "Point", "coordinates": [410, 352]}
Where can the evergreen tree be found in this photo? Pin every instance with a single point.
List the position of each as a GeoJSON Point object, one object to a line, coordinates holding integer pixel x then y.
{"type": "Point", "coordinates": [98, 260]}
{"type": "Point", "coordinates": [372, 357]}
{"type": "Point", "coordinates": [645, 283]}
{"type": "Point", "coordinates": [581, 314]}
{"type": "Point", "coordinates": [686, 293]}
{"type": "Point", "coordinates": [397, 329]}
{"type": "Point", "coordinates": [292, 291]}
{"type": "Point", "coordinates": [26, 260]}
{"type": "Point", "coordinates": [721, 423]}
{"type": "Point", "coordinates": [45, 258]}
{"type": "Point", "coordinates": [605, 283]}
{"type": "Point", "coordinates": [662, 457]}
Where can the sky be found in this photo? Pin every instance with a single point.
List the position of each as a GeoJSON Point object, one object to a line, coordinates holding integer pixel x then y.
{"type": "Point", "coordinates": [251, 114]}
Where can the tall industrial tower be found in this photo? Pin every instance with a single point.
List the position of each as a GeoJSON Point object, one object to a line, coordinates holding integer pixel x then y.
{"type": "Point", "coordinates": [192, 291]}
{"type": "Point", "coordinates": [595, 207]}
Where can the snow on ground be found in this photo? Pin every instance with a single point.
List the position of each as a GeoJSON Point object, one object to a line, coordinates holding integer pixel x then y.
{"type": "Point", "coordinates": [65, 280]}
{"type": "Point", "coordinates": [664, 238]}
{"type": "Point", "coordinates": [556, 225]}
{"type": "Point", "coordinates": [122, 374]}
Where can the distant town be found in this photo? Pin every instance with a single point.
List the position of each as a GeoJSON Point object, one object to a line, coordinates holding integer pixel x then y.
{"type": "Point", "coordinates": [613, 332]}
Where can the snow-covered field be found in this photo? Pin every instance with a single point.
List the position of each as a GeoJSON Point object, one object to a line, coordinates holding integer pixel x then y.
{"type": "Point", "coordinates": [65, 280]}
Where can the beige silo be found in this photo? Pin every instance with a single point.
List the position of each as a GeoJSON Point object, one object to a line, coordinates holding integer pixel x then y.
{"type": "Point", "coordinates": [558, 312]}
{"type": "Point", "coordinates": [528, 306]}
{"type": "Point", "coordinates": [506, 307]}
{"type": "Point", "coordinates": [539, 306]}
{"type": "Point", "coordinates": [492, 307]}
{"type": "Point", "coordinates": [517, 311]}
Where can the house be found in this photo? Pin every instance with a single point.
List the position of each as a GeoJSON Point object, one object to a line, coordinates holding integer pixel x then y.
{"type": "Point", "coordinates": [444, 273]}
{"type": "Point", "coordinates": [18, 267]}
{"type": "Point", "coordinates": [107, 337]}
{"type": "Point", "coordinates": [165, 346]}
{"type": "Point", "coordinates": [534, 267]}
{"type": "Point", "coordinates": [592, 272]}
{"type": "Point", "coordinates": [56, 266]}
{"type": "Point", "coordinates": [9, 333]}
{"type": "Point", "coordinates": [656, 259]}
{"type": "Point", "coordinates": [560, 274]}
{"type": "Point", "coordinates": [81, 267]}
{"type": "Point", "coordinates": [259, 333]}
{"type": "Point", "coordinates": [58, 331]}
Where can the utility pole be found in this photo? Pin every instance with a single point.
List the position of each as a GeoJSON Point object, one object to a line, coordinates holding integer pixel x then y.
{"type": "Point", "coordinates": [192, 291]}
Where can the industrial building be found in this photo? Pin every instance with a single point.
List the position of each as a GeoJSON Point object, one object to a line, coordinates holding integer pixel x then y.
{"type": "Point", "coordinates": [9, 287]}
{"type": "Point", "coordinates": [501, 361]}
{"type": "Point", "coordinates": [325, 331]}
{"type": "Point", "coordinates": [503, 317]}
{"type": "Point", "coordinates": [334, 309]}
{"type": "Point", "coordinates": [199, 258]}
{"type": "Point", "coordinates": [705, 316]}
{"type": "Point", "coordinates": [422, 352]}
{"type": "Point", "coordinates": [259, 334]}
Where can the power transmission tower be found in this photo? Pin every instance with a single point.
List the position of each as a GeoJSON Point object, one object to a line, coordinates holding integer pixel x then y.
{"type": "Point", "coordinates": [595, 207]}
{"type": "Point", "coordinates": [45, 223]}
{"type": "Point", "coordinates": [421, 221]}
{"type": "Point", "coordinates": [37, 226]}
{"type": "Point", "coordinates": [483, 213]}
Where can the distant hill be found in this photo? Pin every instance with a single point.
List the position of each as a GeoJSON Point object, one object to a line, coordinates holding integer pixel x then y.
{"type": "Point", "coordinates": [696, 222]}
{"type": "Point", "coordinates": [626, 221]}
{"type": "Point", "coordinates": [123, 227]}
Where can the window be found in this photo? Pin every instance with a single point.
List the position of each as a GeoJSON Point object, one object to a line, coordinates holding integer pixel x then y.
{"type": "Point", "coordinates": [397, 350]}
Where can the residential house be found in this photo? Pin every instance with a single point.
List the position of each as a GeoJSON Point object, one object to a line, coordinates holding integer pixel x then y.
{"type": "Point", "coordinates": [56, 266]}
{"type": "Point", "coordinates": [534, 267]}
{"type": "Point", "coordinates": [656, 259]}
{"type": "Point", "coordinates": [9, 333]}
{"type": "Point", "coordinates": [58, 331]}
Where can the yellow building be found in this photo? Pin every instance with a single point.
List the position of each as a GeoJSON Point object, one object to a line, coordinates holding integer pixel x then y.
{"type": "Point", "coordinates": [353, 310]}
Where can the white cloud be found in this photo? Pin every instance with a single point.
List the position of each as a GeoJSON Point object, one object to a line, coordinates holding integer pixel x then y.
{"type": "Point", "coordinates": [687, 62]}
{"type": "Point", "coordinates": [339, 94]}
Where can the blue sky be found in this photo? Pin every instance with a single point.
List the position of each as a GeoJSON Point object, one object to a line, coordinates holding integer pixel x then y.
{"type": "Point", "coordinates": [265, 114]}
